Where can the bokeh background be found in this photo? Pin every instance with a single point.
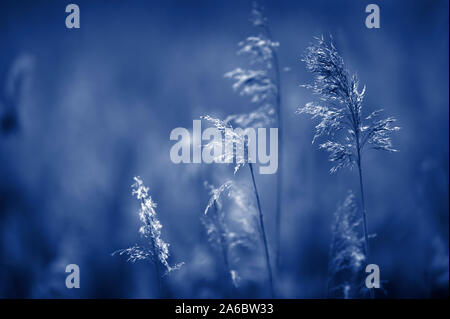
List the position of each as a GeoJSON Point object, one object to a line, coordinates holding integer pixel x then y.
{"type": "Point", "coordinates": [95, 107]}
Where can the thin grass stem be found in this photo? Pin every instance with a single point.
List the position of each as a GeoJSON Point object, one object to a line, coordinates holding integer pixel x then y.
{"type": "Point", "coordinates": [263, 232]}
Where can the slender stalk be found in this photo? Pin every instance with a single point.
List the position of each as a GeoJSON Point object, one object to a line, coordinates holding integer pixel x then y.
{"type": "Point", "coordinates": [158, 280]}
{"type": "Point", "coordinates": [366, 236]}
{"type": "Point", "coordinates": [276, 68]}
{"type": "Point", "coordinates": [280, 165]}
{"type": "Point", "coordinates": [263, 232]}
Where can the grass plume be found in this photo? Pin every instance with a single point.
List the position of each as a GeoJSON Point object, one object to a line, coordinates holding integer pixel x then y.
{"type": "Point", "coordinates": [240, 142]}
{"type": "Point", "coordinates": [346, 255]}
{"type": "Point", "coordinates": [263, 85]}
{"type": "Point", "coordinates": [225, 230]}
{"type": "Point", "coordinates": [339, 109]}
{"type": "Point", "coordinates": [156, 249]}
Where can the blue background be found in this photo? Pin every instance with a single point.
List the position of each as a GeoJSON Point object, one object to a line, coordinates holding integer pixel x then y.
{"type": "Point", "coordinates": [98, 105]}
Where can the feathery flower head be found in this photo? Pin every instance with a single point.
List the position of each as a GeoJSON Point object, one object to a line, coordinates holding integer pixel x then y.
{"type": "Point", "coordinates": [230, 223]}
{"type": "Point", "coordinates": [259, 48]}
{"type": "Point", "coordinates": [339, 108]}
{"type": "Point", "coordinates": [216, 193]}
{"type": "Point", "coordinates": [240, 212]}
{"type": "Point", "coordinates": [261, 117]}
{"type": "Point", "coordinates": [158, 249]}
{"type": "Point", "coordinates": [232, 143]}
{"type": "Point", "coordinates": [214, 222]}
{"type": "Point", "coordinates": [257, 15]}
{"type": "Point", "coordinates": [346, 255]}
{"type": "Point", "coordinates": [254, 83]}
{"type": "Point", "coordinates": [347, 239]}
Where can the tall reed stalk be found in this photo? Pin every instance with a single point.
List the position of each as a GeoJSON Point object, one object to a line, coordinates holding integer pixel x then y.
{"type": "Point", "coordinates": [340, 108]}
{"type": "Point", "coordinates": [259, 20]}
{"type": "Point", "coordinates": [263, 233]}
{"type": "Point", "coordinates": [364, 215]}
